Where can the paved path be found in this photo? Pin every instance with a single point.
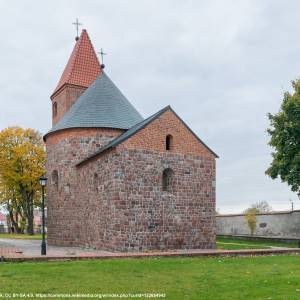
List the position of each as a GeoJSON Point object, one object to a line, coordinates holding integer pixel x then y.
{"type": "Point", "coordinates": [29, 250]}
{"type": "Point", "coordinates": [26, 247]}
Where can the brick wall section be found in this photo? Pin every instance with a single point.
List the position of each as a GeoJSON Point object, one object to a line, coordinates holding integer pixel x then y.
{"type": "Point", "coordinates": [65, 98]}
{"type": "Point", "coordinates": [65, 212]}
{"type": "Point", "coordinates": [153, 137]}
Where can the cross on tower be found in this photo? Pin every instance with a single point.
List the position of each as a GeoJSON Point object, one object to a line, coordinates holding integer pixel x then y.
{"type": "Point", "coordinates": [77, 24]}
{"type": "Point", "coordinates": [102, 54]}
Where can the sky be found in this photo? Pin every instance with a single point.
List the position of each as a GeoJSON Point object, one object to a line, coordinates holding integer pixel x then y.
{"type": "Point", "coordinates": [221, 65]}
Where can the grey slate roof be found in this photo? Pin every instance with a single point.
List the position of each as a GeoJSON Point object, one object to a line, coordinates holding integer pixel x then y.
{"type": "Point", "coordinates": [101, 105]}
{"type": "Point", "coordinates": [133, 130]}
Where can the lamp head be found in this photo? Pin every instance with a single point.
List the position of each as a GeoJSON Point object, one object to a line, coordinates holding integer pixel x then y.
{"type": "Point", "coordinates": [43, 180]}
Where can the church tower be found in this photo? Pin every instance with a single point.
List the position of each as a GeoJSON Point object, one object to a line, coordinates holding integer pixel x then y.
{"type": "Point", "coordinates": [81, 70]}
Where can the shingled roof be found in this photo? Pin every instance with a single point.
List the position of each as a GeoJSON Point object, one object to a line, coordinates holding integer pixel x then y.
{"type": "Point", "coordinates": [136, 128]}
{"type": "Point", "coordinates": [83, 66]}
{"type": "Point", "coordinates": [101, 105]}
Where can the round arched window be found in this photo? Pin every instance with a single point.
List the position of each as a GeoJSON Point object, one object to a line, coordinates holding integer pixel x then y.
{"type": "Point", "coordinates": [169, 142]}
{"type": "Point", "coordinates": [54, 178]}
{"type": "Point", "coordinates": [54, 109]}
{"type": "Point", "coordinates": [167, 180]}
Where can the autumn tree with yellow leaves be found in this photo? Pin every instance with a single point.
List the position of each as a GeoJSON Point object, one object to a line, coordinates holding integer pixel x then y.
{"type": "Point", "coordinates": [22, 162]}
{"type": "Point", "coordinates": [250, 216]}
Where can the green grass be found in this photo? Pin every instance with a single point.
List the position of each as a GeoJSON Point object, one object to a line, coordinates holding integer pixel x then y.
{"type": "Point", "coordinates": [20, 236]}
{"type": "Point", "coordinates": [268, 277]}
{"type": "Point", "coordinates": [235, 244]}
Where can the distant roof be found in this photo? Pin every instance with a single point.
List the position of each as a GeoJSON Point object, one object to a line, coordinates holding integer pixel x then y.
{"type": "Point", "coordinates": [133, 130]}
{"type": "Point", "coordinates": [83, 66]}
{"type": "Point", "coordinates": [101, 105]}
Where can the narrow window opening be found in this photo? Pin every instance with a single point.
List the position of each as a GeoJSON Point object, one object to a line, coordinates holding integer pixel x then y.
{"type": "Point", "coordinates": [169, 142]}
{"type": "Point", "coordinates": [54, 109]}
{"type": "Point", "coordinates": [167, 180]}
{"type": "Point", "coordinates": [96, 182]}
{"type": "Point", "coordinates": [54, 179]}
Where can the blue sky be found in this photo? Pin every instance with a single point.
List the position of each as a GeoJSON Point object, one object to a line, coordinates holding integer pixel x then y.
{"type": "Point", "coordinates": [221, 65]}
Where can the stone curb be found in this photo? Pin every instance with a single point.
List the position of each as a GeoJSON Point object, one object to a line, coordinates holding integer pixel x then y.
{"type": "Point", "coordinates": [211, 253]}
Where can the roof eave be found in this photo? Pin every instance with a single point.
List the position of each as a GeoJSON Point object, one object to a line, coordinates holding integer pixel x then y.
{"type": "Point", "coordinates": [107, 147]}
{"type": "Point", "coordinates": [56, 92]}
{"type": "Point", "coordinates": [70, 128]}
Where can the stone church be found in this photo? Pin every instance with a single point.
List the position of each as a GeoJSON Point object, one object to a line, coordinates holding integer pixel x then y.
{"type": "Point", "coordinates": [117, 181]}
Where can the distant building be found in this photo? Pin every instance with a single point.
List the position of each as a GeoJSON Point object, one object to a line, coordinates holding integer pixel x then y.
{"type": "Point", "coordinates": [3, 223]}
{"type": "Point", "coordinates": [37, 213]}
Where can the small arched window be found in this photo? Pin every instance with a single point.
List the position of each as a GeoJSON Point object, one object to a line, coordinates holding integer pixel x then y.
{"type": "Point", "coordinates": [96, 182]}
{"type": "Point", "coordinates": [169, 142]}
{"type": "Point", "coordinates": [54, 109]}
{"type": "Point", "coordinates": [54, 179]}
{"type": "Point", "coordinates": [167, 180]}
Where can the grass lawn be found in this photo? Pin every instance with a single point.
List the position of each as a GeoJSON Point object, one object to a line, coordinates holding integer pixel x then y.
{"type": "Point", "coordinates": [263, 277]}
{"type": "Point", "coordinates": [20, 236]}
{"type": "Point", "coordinates": [234, 244]}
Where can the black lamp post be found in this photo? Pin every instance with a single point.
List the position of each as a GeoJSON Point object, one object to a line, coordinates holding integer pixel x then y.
{"type": "Point", "coordinates": [299, 199]}
{"type": "Point", "coordinates": [43, 181]}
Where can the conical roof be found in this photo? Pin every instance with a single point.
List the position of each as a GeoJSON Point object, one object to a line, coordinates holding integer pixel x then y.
{"type": "Point", "coordinates": [83, 66]}
{"type": "Point", "coordinates": [101, 105]}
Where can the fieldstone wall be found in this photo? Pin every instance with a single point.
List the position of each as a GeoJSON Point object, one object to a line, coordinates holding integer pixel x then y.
{"type": "Point", "coordinates": [66, 217]}
{"type": "Point", "coordinates": [276, 224]}
{"type": "Point", "coordinates": [129, 211]}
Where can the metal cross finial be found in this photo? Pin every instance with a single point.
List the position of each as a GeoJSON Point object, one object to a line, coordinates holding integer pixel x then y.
{"type": "Point", "coordinates": [102, 54]}
{"type": "Point", "coordinates": [77, 24]}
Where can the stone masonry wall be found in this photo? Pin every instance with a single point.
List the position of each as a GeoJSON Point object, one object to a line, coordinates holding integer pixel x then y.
{"type": "Point", "coordinates": [130, 211]}
{"type": "Point", "coordinates": [65, 211]}
{"type": "Point", "coordinates": [129, 206]}
{"type": "Point", "coordinates": [116, 200]}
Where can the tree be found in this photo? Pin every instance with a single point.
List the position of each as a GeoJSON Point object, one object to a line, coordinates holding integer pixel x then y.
{"type": "Point", "coordinates": [262, 207]}
{"type": "Point", "coordinates": [12, 204]}
{"type": "Point", "coordinates": [22, 160]}
{"type": "Point", "coordinates": [250, 216]}
{"type": "Point", "coordinates": [285, 139]}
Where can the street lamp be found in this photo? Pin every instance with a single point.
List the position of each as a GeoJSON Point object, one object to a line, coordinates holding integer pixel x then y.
{"type": "Point", "coordinates": [43, 182]}
{"type": "Point", "coordinates": [299, 199]}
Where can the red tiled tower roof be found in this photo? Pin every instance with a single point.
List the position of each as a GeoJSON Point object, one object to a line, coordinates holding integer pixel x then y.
{"type": "Point", "coordinates": [83, 66]}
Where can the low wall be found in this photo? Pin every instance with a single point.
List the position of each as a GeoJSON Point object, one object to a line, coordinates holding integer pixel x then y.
{"type": "Point", "coordinates": [276, 224]}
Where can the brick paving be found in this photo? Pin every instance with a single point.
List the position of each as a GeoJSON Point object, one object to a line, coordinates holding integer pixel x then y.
{"type": "Point", "coordinates": [29, 250]}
